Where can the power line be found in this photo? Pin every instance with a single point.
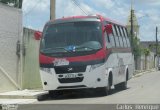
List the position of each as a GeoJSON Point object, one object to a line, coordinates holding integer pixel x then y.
{"type": "Point", "coordinates": [78, 5]}
{"type": "Point", "coordinates": [33, 8]}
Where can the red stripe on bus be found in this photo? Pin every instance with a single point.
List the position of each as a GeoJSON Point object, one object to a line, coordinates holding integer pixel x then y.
{"type": "Point", "coordinates": [99, 55]}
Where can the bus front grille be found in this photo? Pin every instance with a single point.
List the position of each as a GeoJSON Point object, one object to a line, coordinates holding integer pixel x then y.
{"type": "Point", "coordinates": [70, 80]}
{"type": "Point", "coordinates": [70, 69]}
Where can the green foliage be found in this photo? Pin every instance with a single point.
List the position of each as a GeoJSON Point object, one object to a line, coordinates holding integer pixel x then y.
{"type": "Point", "coordinates": [136, 48]}
{"type": "Point", "coordinates": [153, 47]}
{"type": "Point", "coordinates": [146, 51]}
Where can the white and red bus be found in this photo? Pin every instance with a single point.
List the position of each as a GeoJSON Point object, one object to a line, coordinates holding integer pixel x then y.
{"type": "Point", "coordinates": [85, 52]}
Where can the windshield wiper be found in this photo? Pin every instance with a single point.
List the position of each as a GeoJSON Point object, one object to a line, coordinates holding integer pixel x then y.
{"type": "Point", "coordinates": [86, 48]}
{"type": "Point", "coordinates": [50, 50]}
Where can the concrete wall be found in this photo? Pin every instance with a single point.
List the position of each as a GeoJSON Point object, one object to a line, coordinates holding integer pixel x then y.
{"type": "Point", "coordinates": [145, 62]}
{"type": "Point", "coordinates": [31, 75]}
{"type": "Point", "coordinates": [10, 33]}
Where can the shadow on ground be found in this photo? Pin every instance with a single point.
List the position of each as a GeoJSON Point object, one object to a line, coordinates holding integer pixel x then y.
{"type": "Point", "coordinates": [76, 94]}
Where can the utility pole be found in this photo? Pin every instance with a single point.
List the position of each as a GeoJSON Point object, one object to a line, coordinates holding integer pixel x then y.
{"type": "Point", "coordinates": [52, 9]}
{"type": "Point", "coordinates": [131, 32]}
{"type": "Point", "coordinates": [132, 28]}
{"type": "Point", "coordinates": [156, 41]}
{"type": "Point", "coordinates": [156, 56]}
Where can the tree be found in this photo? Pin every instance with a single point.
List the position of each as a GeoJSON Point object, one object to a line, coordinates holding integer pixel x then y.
{"type": "Point", "coordinates": [136, 48]}
{"type": "Point", "coordinates": [146, 51]}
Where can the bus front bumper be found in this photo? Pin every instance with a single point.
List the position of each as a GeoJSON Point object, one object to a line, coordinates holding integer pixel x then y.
{"type": "Point", "coordinates": [88, 79]}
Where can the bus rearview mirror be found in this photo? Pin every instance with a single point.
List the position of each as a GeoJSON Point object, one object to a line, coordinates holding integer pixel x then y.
{"type": "Point", "coordinates": [108, 28]}
{"type": "Point", "coordinates": [37, 35]}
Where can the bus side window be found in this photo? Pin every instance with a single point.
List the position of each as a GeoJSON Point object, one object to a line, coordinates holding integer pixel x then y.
{"type": "Point", "coordinates": [119, 36]}
{"type": "Point", "coordinates": [109, 37]}
{"type": "Point", "coordinates": [112, 39]}
{"type": "Point", "coordinates": [128, 41]}
{"type": "Point", "coordinates": [105, 23]}
{"type": "Point", "coordinates": [116, 36]}
{"type": "Point", "coordinates": [123, 36]}
{"type": "Point", "coordinates": [123, 29]}
{"type": "Point", "coordinates": [128, 37]}
{"type": "Point", "coordinates": [108, 43]}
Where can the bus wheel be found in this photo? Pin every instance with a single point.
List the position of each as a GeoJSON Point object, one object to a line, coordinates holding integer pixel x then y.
{"type": "Point", "coordinates": [123, 85]}
{"type": "Point", "coordinates": [102, 91]}
{"type": "Point", "coordinates": [42, 97]}
{"type": "Point", "coordinates": [107, 90]}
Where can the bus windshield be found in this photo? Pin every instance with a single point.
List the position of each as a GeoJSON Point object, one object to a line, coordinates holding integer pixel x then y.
{"type": "Point", "coordinates": [72, 37]}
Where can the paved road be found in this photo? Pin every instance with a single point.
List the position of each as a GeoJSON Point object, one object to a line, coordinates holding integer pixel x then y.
{"type": "Point", "coordinates": [141, 90]}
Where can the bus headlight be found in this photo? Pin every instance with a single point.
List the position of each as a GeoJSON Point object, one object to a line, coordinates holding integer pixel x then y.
{"type": "Point", "coordinates": [47, 70]}
{"type": "Point", "coordinates": [95, 66]}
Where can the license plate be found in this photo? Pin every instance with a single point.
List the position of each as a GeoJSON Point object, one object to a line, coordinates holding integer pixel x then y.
{"type": "Point", "coordinates": [70, 76]}
{"type": "Point", "coordinates": [60, 62]}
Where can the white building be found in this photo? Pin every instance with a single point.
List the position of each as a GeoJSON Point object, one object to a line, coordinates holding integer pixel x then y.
{"type": "Point", "coordinates": [10, 34]}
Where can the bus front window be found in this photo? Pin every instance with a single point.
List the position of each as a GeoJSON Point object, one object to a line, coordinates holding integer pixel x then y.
{"type": "Point", "coordinates": [72, 37]}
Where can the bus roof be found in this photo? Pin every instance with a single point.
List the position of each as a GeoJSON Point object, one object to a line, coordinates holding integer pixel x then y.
{"type": "Point", "coordinates": [91, 17]}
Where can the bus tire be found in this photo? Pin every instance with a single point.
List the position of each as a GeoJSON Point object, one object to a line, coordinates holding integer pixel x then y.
{"type": "Point", "coordinates": [42, 97]}
{"type": "Point", "coordinates": [123, 85]}
{"type": "Point", "coordinates": [107, 89]}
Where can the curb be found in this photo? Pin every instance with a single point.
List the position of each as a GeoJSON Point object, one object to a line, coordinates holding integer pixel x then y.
{"type": "Point", "coordinates": [29, 94]}
{"type": "Point", "coordinates": [18, 97]}
{"type": "Point", "coordinates": [144, 72]}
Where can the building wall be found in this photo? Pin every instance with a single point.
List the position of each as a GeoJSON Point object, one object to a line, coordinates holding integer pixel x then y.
{"type": "Point", "coordinates": [145, 62]}
{"type": "Point", "coordinates": [31, 75]}
{"type": "Point", "coordinates": [10, 33]}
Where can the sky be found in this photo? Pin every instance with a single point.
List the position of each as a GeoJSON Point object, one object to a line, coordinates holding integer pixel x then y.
{"type": "Point", "coordinates": [36, 13]}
